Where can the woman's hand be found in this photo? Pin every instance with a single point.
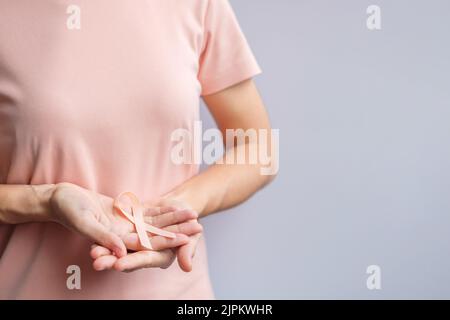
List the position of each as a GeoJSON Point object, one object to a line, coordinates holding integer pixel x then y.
{"type": "Point", "coordinates": [186, 252]}
{"type": "Point", "coordinates": [104, 259]}
{"type": "Point", "coordinates": [89, 214]}
{"type": "Point", "coordinates": [93, 215]}
{"type": "Point", "coordinates": [161, 257]}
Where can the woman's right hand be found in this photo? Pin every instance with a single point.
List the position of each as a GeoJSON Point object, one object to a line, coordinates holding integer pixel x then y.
{"type": "Point", "coordinates": [89, 214]}
{"type": "Point", "coordinates": [93, 216]}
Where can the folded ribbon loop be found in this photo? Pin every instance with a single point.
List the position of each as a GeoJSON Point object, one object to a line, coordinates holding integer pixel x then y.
{"type": "Point", "coordinates": [137, 218]}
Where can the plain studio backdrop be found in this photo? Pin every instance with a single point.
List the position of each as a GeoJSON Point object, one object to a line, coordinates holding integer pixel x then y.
{"type": "Point", "coordinates": [364, 119]}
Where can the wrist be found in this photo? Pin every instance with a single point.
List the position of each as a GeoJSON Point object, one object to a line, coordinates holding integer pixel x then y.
{"type": "Point", "coordinates": [196, 201]}
{"type": "Point", "coordinates": [41, 205]}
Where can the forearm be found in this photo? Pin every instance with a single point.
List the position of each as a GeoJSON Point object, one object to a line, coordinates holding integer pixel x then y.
{"type": "Point", "coordinates": [25, 203]}
{"type": "Point", "coordinates": [221, 186]}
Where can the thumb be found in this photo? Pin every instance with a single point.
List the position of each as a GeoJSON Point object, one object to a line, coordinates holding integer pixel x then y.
{"type": "Point", "coordinates": [186, 253]}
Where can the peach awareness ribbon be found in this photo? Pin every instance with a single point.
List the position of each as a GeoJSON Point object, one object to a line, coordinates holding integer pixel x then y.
{"type": "Point", "coordinates": [137, 218]}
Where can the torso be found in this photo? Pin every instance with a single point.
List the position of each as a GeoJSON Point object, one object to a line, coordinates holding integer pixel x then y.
{"type": "Point", "coordinates": [95, 107]}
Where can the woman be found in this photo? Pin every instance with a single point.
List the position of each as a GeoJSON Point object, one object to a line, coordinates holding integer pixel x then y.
{"type": "Point", "coordinates": [87, 113]}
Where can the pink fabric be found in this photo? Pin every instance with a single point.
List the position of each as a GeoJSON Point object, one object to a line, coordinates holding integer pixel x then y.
{"type": "Point", "coordinates": [96, 107]}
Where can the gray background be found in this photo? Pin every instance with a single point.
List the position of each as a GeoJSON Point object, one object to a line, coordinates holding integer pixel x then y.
{"type": "Point", "coordinates": [364, 119]}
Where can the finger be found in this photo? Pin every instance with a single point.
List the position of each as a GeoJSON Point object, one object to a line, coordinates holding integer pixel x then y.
{"type": "Point", "coordinates": [92, 229]}
{"type": "Point", "coordinates": [98, 251]}
{"type": "Point", "coordinates": [154, 211]}
{"type": "Point", "coordinates": [145, 259]}
{"type": "Point", "coordinates": [132, 242]}
{"type": "Point", "coordinates": [172, 217]}
{"type": "Point", "coordinates": [104, 262]}
{"type": "Point", "coordinates": [187, 252]}
{"type": "Point", "coordinates": [188, 228]}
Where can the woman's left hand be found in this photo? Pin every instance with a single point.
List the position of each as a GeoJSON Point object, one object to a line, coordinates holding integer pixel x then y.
{"type": "Point", "coordinates": [161, 257]}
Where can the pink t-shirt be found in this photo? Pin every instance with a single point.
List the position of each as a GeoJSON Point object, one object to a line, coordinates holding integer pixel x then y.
{"type": "Point", "coordinates": [96, 106]}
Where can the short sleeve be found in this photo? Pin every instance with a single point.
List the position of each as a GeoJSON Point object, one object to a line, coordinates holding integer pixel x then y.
{"type": "Point", "coordinates": [226, 58]}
